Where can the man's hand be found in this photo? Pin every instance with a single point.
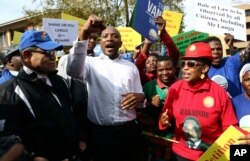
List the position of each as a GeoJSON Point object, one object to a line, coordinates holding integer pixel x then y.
{"type": "Point", "coordinates": [229, 39]}
{"type": "Point", "coordinates": [164, 119]}
{"type": "Point", "coordinates": [94, 24]}
{"type": "Point", "coordinates": [155, 101]}
{"type": "Point", "coordinates": [131, 100]}
{"type": "Point", "coordinates": [161, 23]}
{"type": "Point", "coordinates": [245, 139]}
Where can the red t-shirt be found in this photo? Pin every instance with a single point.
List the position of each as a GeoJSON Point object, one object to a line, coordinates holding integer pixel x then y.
{"type": "Point", "coordinates": [201, 112]}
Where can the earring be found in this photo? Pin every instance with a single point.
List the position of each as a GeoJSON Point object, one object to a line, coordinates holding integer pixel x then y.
{"type": "Point", "coordinates": [202, 76]}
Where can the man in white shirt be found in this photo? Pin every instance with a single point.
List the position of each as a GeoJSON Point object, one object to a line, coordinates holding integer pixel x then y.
{"type": "Point", "coordinates": [114, 91]}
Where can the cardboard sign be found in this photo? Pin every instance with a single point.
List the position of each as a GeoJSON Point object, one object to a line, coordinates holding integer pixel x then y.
{"type": "Point", "coordinates": [142, 19]}
{"type": "Point", "coordinates": [17, 37]}
{"type": "Point", "coordinates": [184, 39]}
{"type": "Point", "coordinates": [220, 149]}
{"type": "Point", "coordinates": [130, 38]}
{"type": "Point", "coordinates": [61, 31]}
{"type": "Point", "coordinates": [217, 19]}
{"type": "Point", "coordinates": [173, 21]}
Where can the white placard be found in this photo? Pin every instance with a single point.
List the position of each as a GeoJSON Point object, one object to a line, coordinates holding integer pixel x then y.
{"type": "Point", "coordinates": [218, 19]}
{"type": "Point", "coordinates": [240, 2]}
{"type": "Point", "coordinates": [61, 31]}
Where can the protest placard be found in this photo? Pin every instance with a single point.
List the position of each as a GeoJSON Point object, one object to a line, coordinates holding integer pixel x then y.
{"type": "Point", "coordinates": [220, 149]}
{"type": "Point", "coordinates": [173, 21]}
{"type": "Point", "coordinates": [184, 39]}
{"type": "Point", "coordinates": [217, 19]}
{"type": "Point", "coordinates": [142, 19]}
{"type": "Point", "coordinates": [130, 38]}
{"type": "Point", "coordinates": [61, 31]}
{"type": "Point", "coordinates": [16, 37]}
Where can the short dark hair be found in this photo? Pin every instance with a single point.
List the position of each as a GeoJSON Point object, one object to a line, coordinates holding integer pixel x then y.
{"type": "Point", "coordinates": [212, 38]}
{"type": "Point", "coordinates": [164, 58]}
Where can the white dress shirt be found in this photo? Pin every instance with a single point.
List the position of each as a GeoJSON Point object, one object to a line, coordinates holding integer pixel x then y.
{"type": "Point", "coordinates": [106, 80]}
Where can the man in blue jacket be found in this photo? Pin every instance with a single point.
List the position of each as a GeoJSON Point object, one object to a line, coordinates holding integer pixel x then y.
{"type": "Point", "coordinates": [10, 57]}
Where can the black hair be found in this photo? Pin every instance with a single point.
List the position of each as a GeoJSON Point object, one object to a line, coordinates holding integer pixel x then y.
{"type": "Point", "coordinates": [212, 38]}
{"type": "Point", "coordinates": [164, 58]}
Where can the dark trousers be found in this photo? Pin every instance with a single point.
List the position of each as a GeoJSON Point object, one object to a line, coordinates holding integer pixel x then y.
{"type": "Point", "coordinates": [116, 143]}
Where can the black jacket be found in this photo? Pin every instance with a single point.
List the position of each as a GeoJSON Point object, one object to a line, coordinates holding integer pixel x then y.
{"type": "Point", "coordinates": [46, 128]}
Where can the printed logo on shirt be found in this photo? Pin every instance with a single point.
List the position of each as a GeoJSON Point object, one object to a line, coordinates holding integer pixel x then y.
{"type": "Point", "coordinates": [192, 130]}
{"type": "Point", "coordinates": [208, 101]}
{"type": "Point", "coordinates": [2, 123]}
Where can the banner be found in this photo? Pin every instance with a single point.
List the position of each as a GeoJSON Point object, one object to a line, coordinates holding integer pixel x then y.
{"type": "Point", "coordinates": [73, 18]}
{"type": "Point", "coordinates": [142, 19]}
{"type": "Point", "coordinates": [130, 38]}
{"type": "Point", "coordinates": [217, 19]}
{"type": "Point", "coordinates": [184, 39]}
{"type": "Point", "coordinates": [61, 31]}
{"type": "Point", "coordinates": [220, 149]}
{"type": "Point", "coordinates": [16, 37]}
{"type": "Point", "coordinates": [173, 21]}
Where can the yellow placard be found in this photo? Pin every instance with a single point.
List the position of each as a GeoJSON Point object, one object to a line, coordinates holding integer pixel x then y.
{"type": "Point", "coordinates": [16, 37]}
{"type": "Point", "coordinates": [73, 18]}
{"type": "Point", "coordinates": [173, 21]}
{"type": "Point", "coordinates": [220, 149]}
{"type": "Point", "coordinates": [130, 38]}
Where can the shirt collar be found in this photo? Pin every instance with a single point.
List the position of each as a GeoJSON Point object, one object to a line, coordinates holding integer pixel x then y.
{"type": "Point", "coordinates": [160, 84]}
{"type": "Point", "coordinates": [201, 85]}
{"type": "Point", "coordinates": [103, 56]}
{"type": "Point", "coordinates": [30, 71]}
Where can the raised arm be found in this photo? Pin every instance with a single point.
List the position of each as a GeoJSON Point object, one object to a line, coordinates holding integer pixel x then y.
{"type": "Point", "coordinates": [173, 51]}
{"type": "Point", "coordinates": [77, 56]}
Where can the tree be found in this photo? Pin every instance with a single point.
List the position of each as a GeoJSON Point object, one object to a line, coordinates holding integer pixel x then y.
{"type": "Point", "coordinates": [114, 12]}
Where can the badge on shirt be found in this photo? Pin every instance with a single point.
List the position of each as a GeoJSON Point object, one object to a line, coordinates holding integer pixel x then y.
{"type": "Point", "coordinates": [208, 101]}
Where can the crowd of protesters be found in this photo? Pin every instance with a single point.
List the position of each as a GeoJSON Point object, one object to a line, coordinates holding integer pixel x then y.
{"type": "Point", "coordinates": [105, 108]}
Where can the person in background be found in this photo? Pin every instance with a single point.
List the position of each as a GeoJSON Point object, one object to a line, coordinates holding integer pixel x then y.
{"type": "Point", "coordinates": [155, 93]}
{"type": "Point", "coordinates": [146, 63]}
{"type": "Point", "coordinates": [242, 102]}
{"type": "Point", "coordinates": [198, 98]}
{"type": "Point", "coordinates": [39, 104]}
{"type": "Point", "coordinates": [115, 92]}
{"type": "Point", "coordinates": [228, 67]}
{"type": "Point", "coordinates": [10, 57]}
{"type": "Point", "coordinates": [125, 54]}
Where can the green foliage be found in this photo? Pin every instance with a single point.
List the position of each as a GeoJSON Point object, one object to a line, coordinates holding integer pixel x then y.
{"type": "Point", "coordinates": [114, 12]}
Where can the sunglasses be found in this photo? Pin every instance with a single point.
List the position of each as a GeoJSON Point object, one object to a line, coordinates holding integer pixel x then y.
{"type": "Point", "coordinates": [48, 53]}
{"type": "Point", "coordinates": [190, 63]}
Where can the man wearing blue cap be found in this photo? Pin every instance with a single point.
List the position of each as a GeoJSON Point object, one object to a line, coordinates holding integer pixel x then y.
{"type": "Point", "coordinates": [39, 102]}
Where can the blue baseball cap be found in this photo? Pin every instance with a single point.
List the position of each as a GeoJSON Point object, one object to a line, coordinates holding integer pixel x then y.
{"type": "Point", "coordinates": [39, 39]}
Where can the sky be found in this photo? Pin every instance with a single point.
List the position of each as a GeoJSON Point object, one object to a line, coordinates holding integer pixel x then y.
{"type": "Point", "coordinates": [14, 8]}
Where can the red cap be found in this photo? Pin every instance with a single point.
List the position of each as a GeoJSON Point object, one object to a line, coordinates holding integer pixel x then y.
{"type": "Point", "coordinates": [198, 50]}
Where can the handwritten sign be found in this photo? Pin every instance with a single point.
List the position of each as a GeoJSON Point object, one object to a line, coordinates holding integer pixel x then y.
{"type": "Point", "coordinates": [218, 19]}
{"type": "Point", "coordinates": [130, 38]}
{"type": "Point", "coordinates": [61, 31]}
{"type": "Point", "coordinates": [173, 21]}
{"type": "Point", "coordinates": [142, 19]}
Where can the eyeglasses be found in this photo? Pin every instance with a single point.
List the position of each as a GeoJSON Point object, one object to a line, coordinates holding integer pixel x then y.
{"type": "Point", "coordinates": [52, 52]}
{"type": "Point", "coordinates": [190, 63]}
